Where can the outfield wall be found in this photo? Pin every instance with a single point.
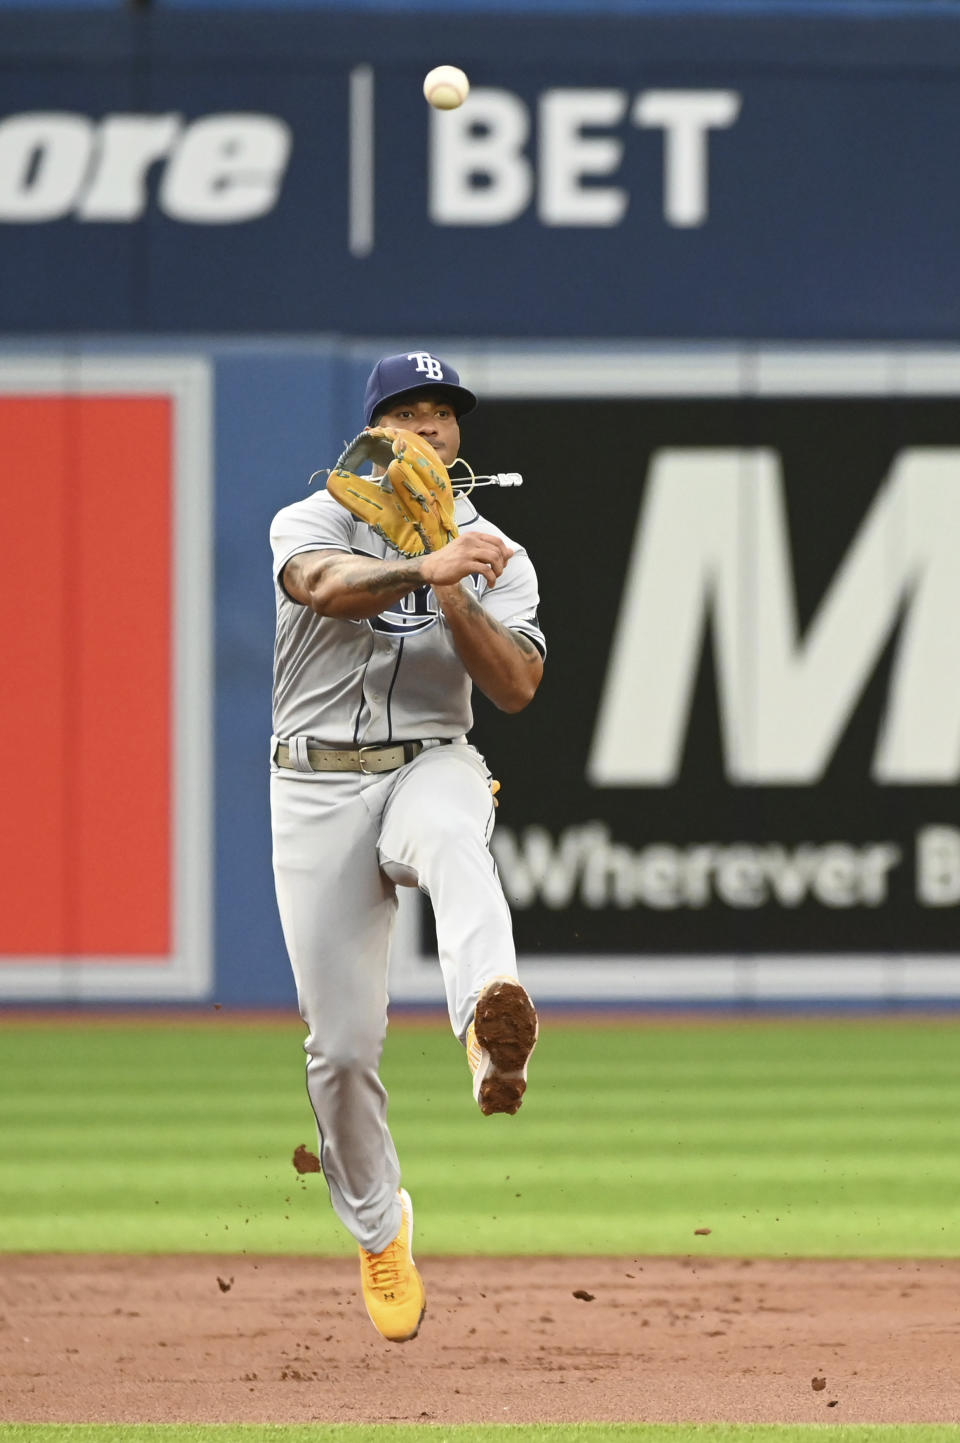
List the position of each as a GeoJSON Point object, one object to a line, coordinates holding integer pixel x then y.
{"type": "Point", "coordinates": [714, 263]}
{"type": "Point", "coordinates": [737, 783]}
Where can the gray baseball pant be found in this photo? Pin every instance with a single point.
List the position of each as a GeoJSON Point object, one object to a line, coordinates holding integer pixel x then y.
{"type": "Point", "coordinates": [342, 842]}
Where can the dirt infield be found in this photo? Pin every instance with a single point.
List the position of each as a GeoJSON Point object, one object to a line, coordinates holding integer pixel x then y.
{"type": "Point", "coordinates": [278, 1339]}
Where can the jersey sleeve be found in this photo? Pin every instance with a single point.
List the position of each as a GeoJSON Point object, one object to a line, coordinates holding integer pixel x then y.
{"type": "Point", "coordinates": [515, 598]}
{"type": "Point", "coordinates": [318, 524]}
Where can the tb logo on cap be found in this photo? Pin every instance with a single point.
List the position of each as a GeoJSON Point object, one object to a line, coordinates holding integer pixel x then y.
{"type": "Point", "coordinates": [428, 364]}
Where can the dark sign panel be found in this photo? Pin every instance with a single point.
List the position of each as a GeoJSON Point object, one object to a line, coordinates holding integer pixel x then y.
{"type": "Point", "coordinates": [748, 736]}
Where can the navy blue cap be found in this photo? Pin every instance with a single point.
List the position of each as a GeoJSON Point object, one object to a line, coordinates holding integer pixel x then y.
{"type": "Point", "coordinates": [395, 376]}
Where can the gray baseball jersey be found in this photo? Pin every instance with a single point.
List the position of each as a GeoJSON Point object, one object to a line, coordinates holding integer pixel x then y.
{"type": "Point", "coordinates": [397, 676]}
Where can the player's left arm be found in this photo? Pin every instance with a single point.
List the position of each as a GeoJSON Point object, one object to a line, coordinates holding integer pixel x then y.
{"type": "Point", "coordinates": [504, 664]}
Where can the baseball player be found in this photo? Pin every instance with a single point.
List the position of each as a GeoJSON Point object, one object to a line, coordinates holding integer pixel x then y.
{"type": "Point", "coordinates": [394, 597]}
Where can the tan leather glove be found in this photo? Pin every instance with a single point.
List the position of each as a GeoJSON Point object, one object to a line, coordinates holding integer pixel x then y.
{"type": "Point", "coordinates": [412, 506]}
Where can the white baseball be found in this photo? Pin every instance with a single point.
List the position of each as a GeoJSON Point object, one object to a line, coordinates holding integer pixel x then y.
{"type": "Point", "coordinates": [446, 87]}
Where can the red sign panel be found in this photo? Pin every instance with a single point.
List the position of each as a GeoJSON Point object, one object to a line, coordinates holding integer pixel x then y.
{"type": "Point", "coordinates": [87, 698]}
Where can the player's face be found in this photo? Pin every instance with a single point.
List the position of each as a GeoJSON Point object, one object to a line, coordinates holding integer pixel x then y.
{"type": "Point", "coordinates": [431, 417]}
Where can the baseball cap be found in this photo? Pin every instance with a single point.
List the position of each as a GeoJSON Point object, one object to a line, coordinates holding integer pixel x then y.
{"type": "Point", "coordinates": [393, 376]}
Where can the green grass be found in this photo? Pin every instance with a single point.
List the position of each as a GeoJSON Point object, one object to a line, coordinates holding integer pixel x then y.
{"type": "Point", "coordinates": [785, 1138]}
{"type": "Point", "coordinates": [479, 1433]}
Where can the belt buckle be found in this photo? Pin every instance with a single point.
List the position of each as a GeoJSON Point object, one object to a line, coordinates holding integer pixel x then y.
{"type": "Point", "coordinates": [367, 771]}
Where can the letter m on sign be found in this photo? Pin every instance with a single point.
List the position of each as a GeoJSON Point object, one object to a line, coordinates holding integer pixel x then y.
{"type": "Point", "coordinates": [712, 546]}
{"type": "Point", "coordinates": [104, 712]}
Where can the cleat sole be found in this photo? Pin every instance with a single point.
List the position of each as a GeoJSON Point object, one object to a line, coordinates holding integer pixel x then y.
{"type": "Point", "coordinates": [505, 1024]}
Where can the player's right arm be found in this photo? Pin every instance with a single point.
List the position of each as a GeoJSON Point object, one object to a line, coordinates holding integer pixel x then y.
{"type": "Point", "coordinates": [354, 588]}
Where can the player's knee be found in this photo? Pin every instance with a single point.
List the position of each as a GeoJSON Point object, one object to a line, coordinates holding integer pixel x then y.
{"type": "Point", "coordinates": [346, 1061]}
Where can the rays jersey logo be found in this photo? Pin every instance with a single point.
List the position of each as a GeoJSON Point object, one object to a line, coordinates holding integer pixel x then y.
{"type": "Point", "coordinates": [417, 611]}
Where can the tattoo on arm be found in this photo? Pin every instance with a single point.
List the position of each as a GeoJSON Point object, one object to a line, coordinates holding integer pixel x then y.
{"type": "Point", "coordinates": [471, 606]}
{"type": "Point", "coordinates": [376, 580]}
{"type": "Point", "coordinates": [373, 585]}
{"type": "Point", "coordinates": [521, 642]}
{"type": "Point", "coordinates": [524, 643]}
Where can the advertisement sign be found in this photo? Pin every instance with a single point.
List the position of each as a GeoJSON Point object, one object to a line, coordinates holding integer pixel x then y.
{"type": "Point", "coordinates": [105, 849]}
{"type": "Point", "coordinates": [639, 178]}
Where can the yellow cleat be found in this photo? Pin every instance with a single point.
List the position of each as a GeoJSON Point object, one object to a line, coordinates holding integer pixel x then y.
{"type": "Point", "coordinates": [392, 1288]}
{"type": "Point", "coordinates": [500, 1039]}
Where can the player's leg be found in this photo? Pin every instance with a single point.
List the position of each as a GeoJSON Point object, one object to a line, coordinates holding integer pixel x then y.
{"type": "Point", "coordinates": [337, 911]}
{"type": "Point", "coordinates": [435, 832]}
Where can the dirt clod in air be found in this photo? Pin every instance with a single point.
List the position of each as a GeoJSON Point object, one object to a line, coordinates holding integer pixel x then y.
{"type": "Point", "coordinates": [304, 1160]}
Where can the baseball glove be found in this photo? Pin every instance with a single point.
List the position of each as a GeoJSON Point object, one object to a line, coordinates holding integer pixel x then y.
{"type": "Point", "coordinates": [412, 506]}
